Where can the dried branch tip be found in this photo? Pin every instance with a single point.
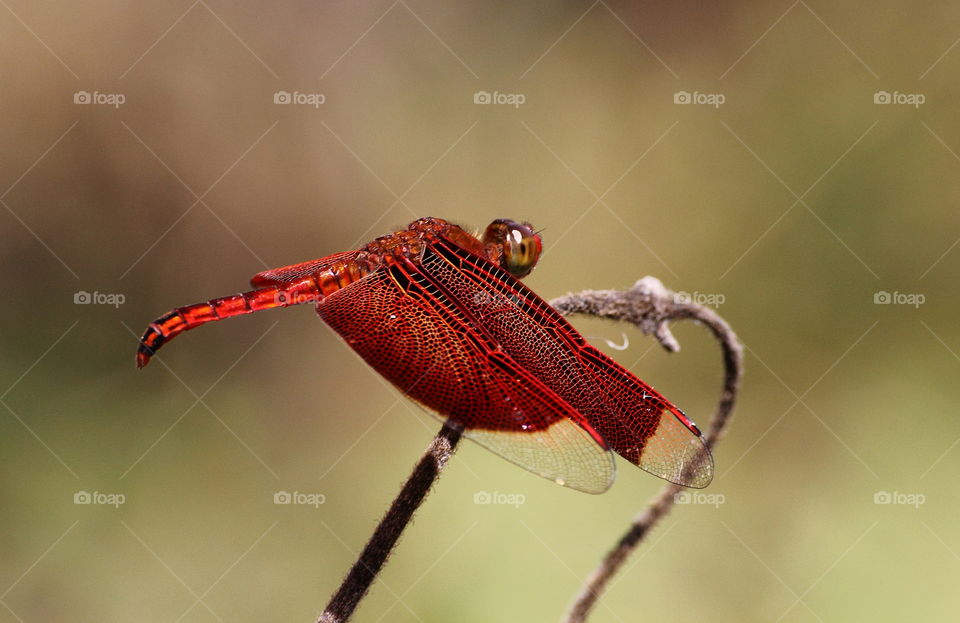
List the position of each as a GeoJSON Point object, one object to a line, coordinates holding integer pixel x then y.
{"type": "Point", "coordinates": [648, 304]}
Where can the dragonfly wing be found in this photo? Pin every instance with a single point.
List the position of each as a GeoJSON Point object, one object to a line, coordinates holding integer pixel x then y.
{"type": "Point", "coordinates": [296, 272]}
{"type": "Point", "coordinates": [415, 336]}
{"type": "Point", "coordinates": [635, 420]}
{"type": "Point", "coordinates": [650, 431]}
{"type": "Point", "coordinates": [561, 453]}
{"type": "Point", "coordinates": [548, 442]}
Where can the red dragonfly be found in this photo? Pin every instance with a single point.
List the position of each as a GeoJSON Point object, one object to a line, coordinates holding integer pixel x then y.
{"type": "Point", "coordinates": [442, 315]}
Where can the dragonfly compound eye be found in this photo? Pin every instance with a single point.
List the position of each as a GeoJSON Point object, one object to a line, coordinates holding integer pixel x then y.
{"type": "Point", "coordinates": [521, 245]}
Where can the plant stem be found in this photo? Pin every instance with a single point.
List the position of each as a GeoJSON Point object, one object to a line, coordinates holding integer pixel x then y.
{"type": "Point", "coordinates": [650, 306]}
{"type": "Point", "coordinates": [385, 537]}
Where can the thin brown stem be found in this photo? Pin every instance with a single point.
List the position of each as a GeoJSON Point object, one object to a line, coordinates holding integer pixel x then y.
{"type": "Point", "coordinates": [385, 537]}
{"type": "Point", "coordinates": [650, 306]}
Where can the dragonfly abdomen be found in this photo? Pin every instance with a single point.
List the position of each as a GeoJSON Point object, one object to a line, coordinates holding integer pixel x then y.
{"type": "Point", "coordinates": [308, 288]}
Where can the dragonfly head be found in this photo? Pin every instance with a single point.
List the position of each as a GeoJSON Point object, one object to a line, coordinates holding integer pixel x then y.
{"type": "Point", "coordinates": [519, 243]}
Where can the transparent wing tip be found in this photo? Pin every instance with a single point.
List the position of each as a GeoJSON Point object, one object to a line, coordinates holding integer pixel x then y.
{"type": "Point", "coordinates": [679, 457]}
{"type": "Point", "coordinates": [697, 471]}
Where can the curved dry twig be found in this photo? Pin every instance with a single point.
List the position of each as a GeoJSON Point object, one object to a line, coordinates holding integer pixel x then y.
{"type": "Point", "coordinates": [650, 306]}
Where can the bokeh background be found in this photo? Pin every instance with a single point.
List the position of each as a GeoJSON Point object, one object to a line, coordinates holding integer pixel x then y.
{"type": "Point", "coordinates": [787, 192]}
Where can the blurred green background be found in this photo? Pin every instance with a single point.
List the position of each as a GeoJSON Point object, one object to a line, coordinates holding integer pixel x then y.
{"type": "Point", "coordinates": [794, 202]}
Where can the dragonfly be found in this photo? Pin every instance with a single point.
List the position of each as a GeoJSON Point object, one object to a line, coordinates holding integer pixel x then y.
{"type": "Point", "coordinates": [442, 314]}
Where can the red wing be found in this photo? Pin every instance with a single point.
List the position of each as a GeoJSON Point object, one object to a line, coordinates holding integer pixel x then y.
{"type": "Point", "coordinates": [636, 421]}
{"type": "Point", "coordinates": [413, 334]}
{"type": "Point", "coordinates": [296, 272]}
